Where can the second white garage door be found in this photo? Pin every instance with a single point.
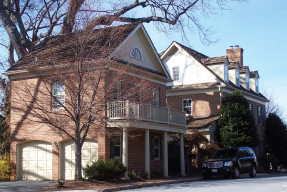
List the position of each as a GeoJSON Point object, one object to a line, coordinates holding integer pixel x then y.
{"type": "Point", "coordinates": [89, 154]}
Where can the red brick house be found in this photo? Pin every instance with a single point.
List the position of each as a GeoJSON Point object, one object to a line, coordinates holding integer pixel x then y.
{"type": "Point", "coordinates": [133, 128]}
{"type": "Point", "coordinates": [200, 82]}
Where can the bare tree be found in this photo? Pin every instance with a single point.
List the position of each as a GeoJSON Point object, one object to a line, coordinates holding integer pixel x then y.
{"type": "Point", "coordinates": [86, 81]}
{"type": "Point", "coordinates": [27, 22]}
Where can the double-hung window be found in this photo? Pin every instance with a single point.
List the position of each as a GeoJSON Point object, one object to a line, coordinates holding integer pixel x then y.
{"type": "Point", "coordinates": [155, 97]}
{"type": "Point", "coordinates": [117, 91]}
{"type": "Point", "coordinates": [155, 146]}
{"type": "Point", "coordinates": [175, 73]}
{"type": "Point", "coordinates": [187, 106]}
{"type": "Point", "coordinates": [115, 147]}
{"type": "Point", "coordinates": [58, 95]}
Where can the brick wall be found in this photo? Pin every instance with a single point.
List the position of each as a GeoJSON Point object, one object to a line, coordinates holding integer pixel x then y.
{"type": "Point", "coordinates": [203, 104]}
{"type": "Point", "coordinates": [25, 126]}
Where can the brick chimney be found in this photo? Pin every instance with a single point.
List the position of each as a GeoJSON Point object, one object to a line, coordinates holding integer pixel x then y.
{"type": "Point", "coordinates": [235, 54]}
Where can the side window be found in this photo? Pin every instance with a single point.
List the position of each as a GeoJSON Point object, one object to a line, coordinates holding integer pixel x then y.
{"type": "Point", "coordinates": [187, 106]}
{"type": "Point", "coordinates": [241, 153]}
{"type": "Point", "coordinates": [175, 73]}
{"type": "Point", "coordinates": [247, 81]}
{"type": "Point", "coordinates": [237, 77]}
{"type": "Point", "coordinates": [251, 152]}
{"type": "Point", "coordinates": [155, 97]}
{"type": "Point", "coordinates": [155, 148]}
{"type": "Point", "coordinates": [117, 88]}
{"type": "Point", "coordinates": [226, 78]}
{"type": "Point", "coordinates": [58, 95]}
{"type": "Point", "coordinates": [115, 147]}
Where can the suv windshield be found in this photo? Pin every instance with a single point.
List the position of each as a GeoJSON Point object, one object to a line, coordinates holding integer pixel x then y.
{"type": "Point", "coordinates": [224, 153]}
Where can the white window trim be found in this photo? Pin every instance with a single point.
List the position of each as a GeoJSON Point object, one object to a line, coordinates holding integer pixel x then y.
{"type": "Point", "coordinates": [54, 107]}
{"type": "Point", "coordinates": [140, 52]}
{"type": "Point", "coordinates": [182, 103]}
{"type": "Point", "coordinates": [174, 73]}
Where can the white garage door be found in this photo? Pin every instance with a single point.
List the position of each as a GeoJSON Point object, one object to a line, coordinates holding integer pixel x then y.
{"type": "Point", "coordinates": [35, 161]}
{"type": "Point", "coordinates": [89, 154]}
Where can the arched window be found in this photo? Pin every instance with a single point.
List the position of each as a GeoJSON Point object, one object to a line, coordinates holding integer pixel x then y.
{"type": "Point", "coordinates": [136, 54]}
{"type": "Point", "coordinates": [58, 93]}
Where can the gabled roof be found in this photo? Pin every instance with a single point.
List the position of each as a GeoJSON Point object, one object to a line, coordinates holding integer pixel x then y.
{"type": "Point", "coordinates": [244, 69]}
{"type": "Point", "coordinates": [253, 74]}
{"type": "Point", "coordinates": [60, 49]}
{"type": "Point", "coordinates": [205, 61]}
{"type": "Point", "coordinates": [214, 60]}
{"type": "Point", "coordinates": [86, 45]}
{"type": "Point", "coordinates": [198, 56]}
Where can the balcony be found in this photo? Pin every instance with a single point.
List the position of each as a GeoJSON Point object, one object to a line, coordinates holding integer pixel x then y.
{"type": "Point", "coordinates": [125, 110]}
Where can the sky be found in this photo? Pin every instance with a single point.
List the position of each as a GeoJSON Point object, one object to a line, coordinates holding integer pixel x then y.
{"type": "Point", "coordinates": [257, 26]}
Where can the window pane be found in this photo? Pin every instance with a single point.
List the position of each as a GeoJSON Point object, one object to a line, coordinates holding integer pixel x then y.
{"type": "Point", "coordinates": [58, 91]}
{"type": "Point", "coordinates": [187, 106]}
{"type": "Point", "coordinates": [175, 72]}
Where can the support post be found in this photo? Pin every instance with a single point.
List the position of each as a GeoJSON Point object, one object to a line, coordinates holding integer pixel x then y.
{"type": "Point", "coordinates": [182, 161]}
{"type": "Point", "coordinates": [125, 150]}
{"type": "Point", "coordinates": [165, 155]}
{"type": "Point", "coordinates": [147, 154]}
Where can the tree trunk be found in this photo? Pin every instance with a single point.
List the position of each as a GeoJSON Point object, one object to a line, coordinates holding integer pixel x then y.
{"type": "Point", "coordinates": [78, 161]}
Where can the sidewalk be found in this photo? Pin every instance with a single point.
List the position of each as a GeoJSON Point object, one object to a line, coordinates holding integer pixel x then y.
{"type": "Point", "coordinates": [84, 186]}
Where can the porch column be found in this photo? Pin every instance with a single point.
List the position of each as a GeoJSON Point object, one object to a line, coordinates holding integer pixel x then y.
{"type": "Point", "coordinates": [165, 155]}
{"type": "Point", "coordinates": [125, 150]}
{"type": "Point", "coordinates": [147, 154]}
{"type": "Point", "coordinates": [182, 162]}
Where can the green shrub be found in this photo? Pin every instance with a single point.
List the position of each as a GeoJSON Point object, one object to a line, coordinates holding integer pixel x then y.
{"type": "Point", "coordinates": [104, 170]}
{"type": "Point", "coordinates": [133, 175]}
{"type": "Point", "coordinates": [5, 168]}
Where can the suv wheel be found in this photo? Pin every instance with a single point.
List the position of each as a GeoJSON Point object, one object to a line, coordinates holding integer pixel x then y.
{"type": "Point", "coordinates": [253, 172]}
{"type": "Point", "coordinates": [236, 173]}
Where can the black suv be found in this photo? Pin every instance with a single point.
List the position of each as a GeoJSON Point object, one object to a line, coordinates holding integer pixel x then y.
{"type": "Point", "coordinates": [231, 162]}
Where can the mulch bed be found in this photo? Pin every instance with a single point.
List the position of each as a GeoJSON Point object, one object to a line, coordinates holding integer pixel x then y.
{"type": "Point", "coordinates": [100, 185]}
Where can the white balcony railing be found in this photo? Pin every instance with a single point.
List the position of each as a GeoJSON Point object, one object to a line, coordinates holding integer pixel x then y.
{"type": "Point", "coordinates": [133, 111]}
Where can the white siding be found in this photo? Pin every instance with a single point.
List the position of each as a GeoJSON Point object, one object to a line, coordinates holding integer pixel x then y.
{"type": "Point", "coordinates": [138, 40]}
{"type": "Point", "coordinates": [190, 70]}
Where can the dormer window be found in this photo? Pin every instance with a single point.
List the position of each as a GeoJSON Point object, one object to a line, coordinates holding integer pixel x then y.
{"type": "Point", "coordinates": [226, 78]}
{"type": "Point", "coordinates": [256, 85]}
{"type": "Point", "coordinates": [136, 54]}
{"type": "Point", "coordinates": [247, 81]}
{"type": "Point", "coordinates": [237, 76]}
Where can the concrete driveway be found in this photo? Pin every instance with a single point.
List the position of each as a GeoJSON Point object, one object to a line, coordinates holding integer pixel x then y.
{"type": "Point", "coordinates": [24, 186]}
